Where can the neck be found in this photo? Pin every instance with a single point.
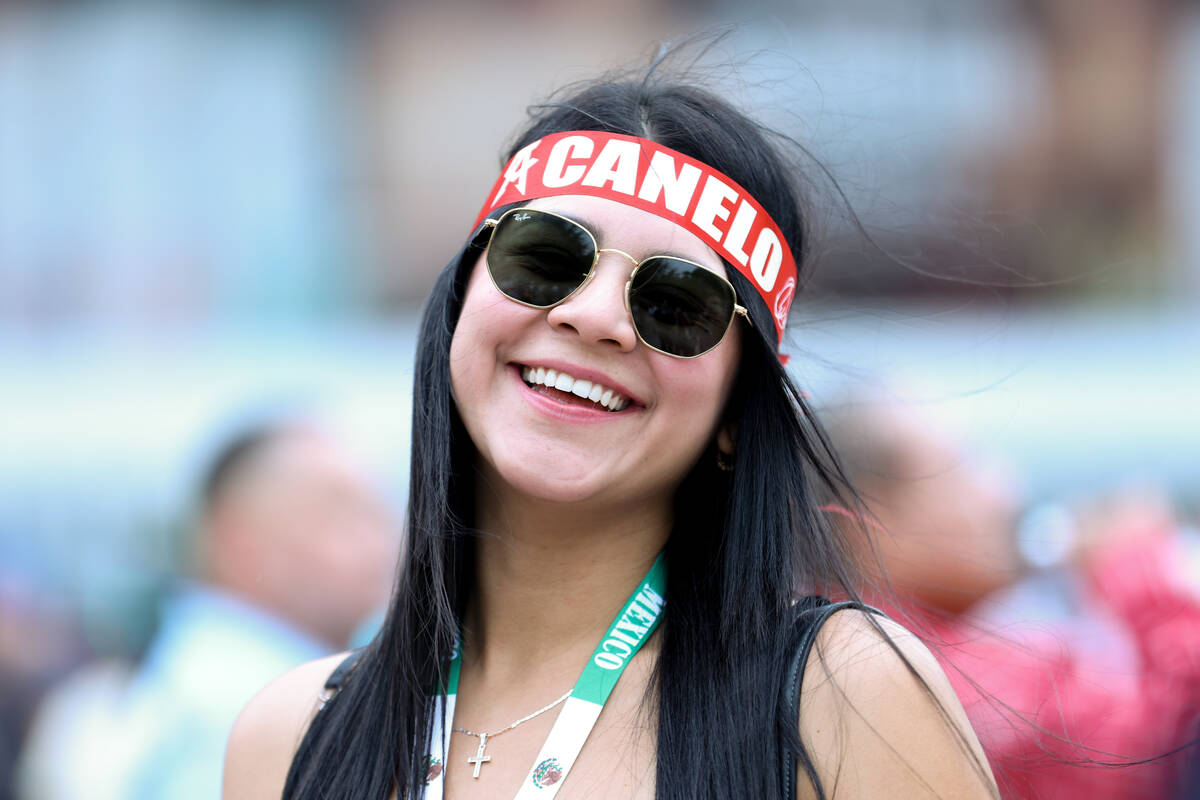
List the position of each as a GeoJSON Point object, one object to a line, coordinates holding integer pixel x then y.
{"type": "Point", "coordinates": [550, 579]}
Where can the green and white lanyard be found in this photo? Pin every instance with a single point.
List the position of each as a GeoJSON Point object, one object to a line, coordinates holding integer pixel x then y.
{"type": "Point", "coordinates": [626, 635]}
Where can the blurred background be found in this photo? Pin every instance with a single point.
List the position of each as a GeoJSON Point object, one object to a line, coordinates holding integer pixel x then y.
{"type": "Point", "coordinates": [211, 211]}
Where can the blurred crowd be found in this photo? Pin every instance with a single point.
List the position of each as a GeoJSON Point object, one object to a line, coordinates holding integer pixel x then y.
{"type": "Point", "coordinates": [1072, 637]}
{"type": "Point", "coordinates": [291, 559]}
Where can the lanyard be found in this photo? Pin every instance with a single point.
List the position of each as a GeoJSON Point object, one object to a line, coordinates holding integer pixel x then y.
{"type": "Point", "coordinates": [628, 632]}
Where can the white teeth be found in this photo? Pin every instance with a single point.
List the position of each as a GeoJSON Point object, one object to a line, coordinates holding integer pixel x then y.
{"type": "Point", "coordinates": [563, 382]}
{"type": "Point", "coordinates": [617, 403]}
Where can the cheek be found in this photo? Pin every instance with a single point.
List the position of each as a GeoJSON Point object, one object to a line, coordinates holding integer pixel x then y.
{"type": "Point", "coordinates": [490, 328]}
{"type": "Point", "coordinates": [699, 388]}
{"type": "Point", "coordinates": [697, 394]}
{"type": "Point", "coordinates": [473, 323]}
{"type": "Point", "coordinates": [711, 380]}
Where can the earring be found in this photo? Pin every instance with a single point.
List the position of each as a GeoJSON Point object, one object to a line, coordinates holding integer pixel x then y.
{"type": "Point", "coordinates": [724, 461]}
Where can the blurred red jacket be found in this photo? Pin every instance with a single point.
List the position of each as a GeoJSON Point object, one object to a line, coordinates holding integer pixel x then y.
{"type": "Point", "coordinates": [1041, 708]}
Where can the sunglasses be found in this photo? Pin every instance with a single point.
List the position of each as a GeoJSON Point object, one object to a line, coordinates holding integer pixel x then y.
{"type": "Point", "coordinates": [679, 308]}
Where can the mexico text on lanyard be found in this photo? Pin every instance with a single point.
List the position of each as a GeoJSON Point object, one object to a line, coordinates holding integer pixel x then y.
{"type": "Point", "coordinates": [628, 632]}
{"type": "Point", "coordinates": [643, 174]}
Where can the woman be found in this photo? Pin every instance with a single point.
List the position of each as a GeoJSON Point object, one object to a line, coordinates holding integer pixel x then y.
{"type": "Point", "coordinates": [604, 440]}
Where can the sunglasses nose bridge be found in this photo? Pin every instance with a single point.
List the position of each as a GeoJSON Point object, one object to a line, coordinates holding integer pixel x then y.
{"type": "Point", "coordinates": [631, 259]}
{"type": "Point", "coordinates": [594, 314]}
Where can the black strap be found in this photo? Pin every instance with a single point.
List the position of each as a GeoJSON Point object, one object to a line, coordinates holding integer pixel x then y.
{"type": "Point", "coordinates": [338, 676]}
{"type": "Point", "coordinates": [811, 615]}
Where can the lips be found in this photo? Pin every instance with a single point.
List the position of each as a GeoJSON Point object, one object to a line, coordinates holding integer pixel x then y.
{"type": "Point", "coordinates": [576, 390]}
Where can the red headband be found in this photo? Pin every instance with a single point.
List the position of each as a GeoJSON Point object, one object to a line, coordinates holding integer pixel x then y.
{"type": "Point", "coordinates": [645, 175]}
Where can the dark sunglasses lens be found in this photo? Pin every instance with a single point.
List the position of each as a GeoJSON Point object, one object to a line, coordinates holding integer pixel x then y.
{"type": "Point", "coordinates": [680, 308]}
{"type": "Point", "coordinates": [539, 258]}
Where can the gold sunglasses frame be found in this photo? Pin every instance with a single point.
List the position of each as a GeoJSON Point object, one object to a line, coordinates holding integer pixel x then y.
{"type": "Point", "coordinates": [738, 309]}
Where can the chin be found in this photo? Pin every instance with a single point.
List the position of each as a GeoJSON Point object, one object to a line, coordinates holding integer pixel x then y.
{"type": "Point", "coordinates": [570, 481]}
{"type": "Point", "coordinates": [556, 483]}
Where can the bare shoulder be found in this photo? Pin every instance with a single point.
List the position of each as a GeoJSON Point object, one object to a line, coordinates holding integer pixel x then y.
{"type": "Point", "coordinates": [269, 730]}
{"type": "Point", "coordinates": [880, 719]}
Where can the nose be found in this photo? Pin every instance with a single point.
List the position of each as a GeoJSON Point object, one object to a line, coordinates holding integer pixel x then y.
{"type": "Point", "coordinates": [597, 312]}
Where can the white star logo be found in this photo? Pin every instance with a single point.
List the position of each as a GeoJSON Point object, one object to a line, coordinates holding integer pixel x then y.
{"type": "Point", "coordinates": [517, 170]}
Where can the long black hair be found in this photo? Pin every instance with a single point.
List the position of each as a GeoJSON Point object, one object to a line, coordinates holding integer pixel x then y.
{"type": "Point", "coordinates": [744, 544]}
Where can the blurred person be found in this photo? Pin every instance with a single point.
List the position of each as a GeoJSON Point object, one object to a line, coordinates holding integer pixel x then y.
{"type": "Point", "coordinates": [295, 549]}
{"type": "Point", "coordinates": [40, 643]}
{"type": "Point", "coordinates": [1053, 705]}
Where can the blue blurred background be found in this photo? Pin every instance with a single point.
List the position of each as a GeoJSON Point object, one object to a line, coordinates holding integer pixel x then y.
{"type": "Point", "coordinates": [212, 208]}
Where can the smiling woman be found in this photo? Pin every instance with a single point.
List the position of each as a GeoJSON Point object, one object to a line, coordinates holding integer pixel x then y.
{"type": "Point", "coordinates": [614, 535]}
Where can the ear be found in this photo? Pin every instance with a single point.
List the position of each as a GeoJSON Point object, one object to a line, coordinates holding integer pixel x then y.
{"type": "Point", "coordinates": [727, 438]}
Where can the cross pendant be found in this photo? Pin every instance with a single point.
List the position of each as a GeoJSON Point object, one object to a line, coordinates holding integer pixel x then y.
{"type": "Point", "coordinates": [479, 759]}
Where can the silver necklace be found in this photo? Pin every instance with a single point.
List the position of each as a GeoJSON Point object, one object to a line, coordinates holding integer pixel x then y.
{"type": "Point", "coordinates": [479, 759]}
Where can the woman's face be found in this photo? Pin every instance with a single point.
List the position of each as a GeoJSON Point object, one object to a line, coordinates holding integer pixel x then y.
{"type": "Point", "coordinates": [552, 445]}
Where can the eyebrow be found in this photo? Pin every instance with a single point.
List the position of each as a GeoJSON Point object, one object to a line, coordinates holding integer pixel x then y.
{"type": "Point", "coordinates": [597, 230]}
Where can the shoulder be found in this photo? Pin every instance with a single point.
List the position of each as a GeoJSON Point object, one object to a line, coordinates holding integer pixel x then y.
{"type": "Point", "coordinates": [269, 729]}
{"type": "Point", "coordinates": [880, 719]}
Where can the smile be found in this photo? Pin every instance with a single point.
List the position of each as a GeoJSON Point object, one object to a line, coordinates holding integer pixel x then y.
{"type": "Point", "coordinates": [561, 382]}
